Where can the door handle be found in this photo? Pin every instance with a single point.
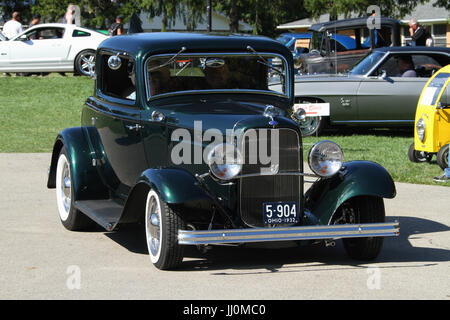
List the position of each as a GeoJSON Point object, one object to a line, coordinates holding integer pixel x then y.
{"type": "Point", "coordinates": [135, 127]}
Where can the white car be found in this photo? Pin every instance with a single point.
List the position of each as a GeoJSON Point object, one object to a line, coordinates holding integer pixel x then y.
{"type": "Point", "coordinates": [51, 47]}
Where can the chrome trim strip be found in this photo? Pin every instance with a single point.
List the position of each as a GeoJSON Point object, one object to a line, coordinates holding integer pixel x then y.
{"type": "Point", "coordinates": [189, 237]}
{"type": "Point", "coordinates": [285, 173]}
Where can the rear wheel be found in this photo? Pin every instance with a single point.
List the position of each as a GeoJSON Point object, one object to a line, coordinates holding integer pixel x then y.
{"type": "Point", "coordinates": [85, 62]}
{"type": "Point", "coordinates": [442, 157]}
{"type": "Point", "coordinates": [418, 156]}
{"type": "Point", "coordinates": [364, 209]}
{"type": "Point", "coordinates": [161, 229]}
{"type": "Point", "coordinates": [71, 218]}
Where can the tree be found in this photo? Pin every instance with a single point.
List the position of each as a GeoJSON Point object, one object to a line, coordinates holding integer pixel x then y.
{"type": "Point", "coordinates": [388, 8]}
{"type": "Point", "coordinates": [94, 13]}
{"type": "Point", "coordinates": [7, 7]}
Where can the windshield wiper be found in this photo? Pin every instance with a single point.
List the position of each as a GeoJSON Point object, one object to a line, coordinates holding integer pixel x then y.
{"type": "Point", "coordinates": [264, 61]}
{"type": "Point", "coordinates": [168, 61]}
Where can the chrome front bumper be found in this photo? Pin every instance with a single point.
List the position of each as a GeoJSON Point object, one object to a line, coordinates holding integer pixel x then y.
{"type": "Point", "coordinates": [288, 233]}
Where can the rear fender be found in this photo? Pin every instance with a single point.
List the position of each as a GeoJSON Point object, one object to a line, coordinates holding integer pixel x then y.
{"type": "Point", "coordinates": [357, 178]}
{"type": "Point", "coordinates": [86, 181]}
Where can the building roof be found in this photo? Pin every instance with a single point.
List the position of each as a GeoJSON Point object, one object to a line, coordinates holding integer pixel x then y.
{"type": "Point", "coordinates": [428, 13]}
{"type": "Point", "coordinates": [350, 23]}
{"type": "Point", "coordinates": [219, 23]}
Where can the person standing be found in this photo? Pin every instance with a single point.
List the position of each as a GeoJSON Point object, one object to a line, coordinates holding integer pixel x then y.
{"type": "Point", "coordinates": [13, 27]}
{"type": "Point", "coordinates": [36, 20]}
{"type": "Point", "coordinates": [135, 24]}
{"type": "Point", "coordinates": [116, 28]}
{"type": "Point", "coordinates": [418, 33]}
{"type": "Point", "coordinates": [69, 16]}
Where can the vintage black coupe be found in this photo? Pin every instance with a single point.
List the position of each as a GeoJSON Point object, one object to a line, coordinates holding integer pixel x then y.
{"type": "Point", "coordinates": [192, 135]}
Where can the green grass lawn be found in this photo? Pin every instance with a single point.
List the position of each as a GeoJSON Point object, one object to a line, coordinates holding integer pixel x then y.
{"type": "Point", "coordinates": [34, 109]}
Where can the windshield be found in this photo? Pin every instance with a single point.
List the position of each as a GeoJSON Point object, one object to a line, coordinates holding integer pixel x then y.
{"type": "Point", "coordinates": [284, 39]}
{"type": "Point", "coordinates": [249, 72]}
{"type": "Point", "coordinates": [366, 64]}
{"type": "Point", "coordinates": [431, 93]}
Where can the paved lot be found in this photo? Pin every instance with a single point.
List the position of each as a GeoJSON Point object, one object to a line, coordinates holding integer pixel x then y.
{"type": "Point", "coordinates": [39, 259]}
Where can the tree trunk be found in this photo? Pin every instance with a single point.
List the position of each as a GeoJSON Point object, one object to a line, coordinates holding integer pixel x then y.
{"type": "Point", "coordinates": [234, 17]}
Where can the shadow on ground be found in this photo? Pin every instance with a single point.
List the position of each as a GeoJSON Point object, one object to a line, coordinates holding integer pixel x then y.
{"type": "Point", "coordinates": [279, 257]}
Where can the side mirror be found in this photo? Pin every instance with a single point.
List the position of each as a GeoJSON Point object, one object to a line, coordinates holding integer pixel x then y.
{"type": "Point", "coordinates": [23, 37]}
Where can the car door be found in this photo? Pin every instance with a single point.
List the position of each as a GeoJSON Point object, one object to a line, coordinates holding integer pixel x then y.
{"type": "Point", "coordinates": [43, 48]}
{"type": "Point", "coordinates": [117, 119]}
{"type": "Point", "coordinates": [387, 97]}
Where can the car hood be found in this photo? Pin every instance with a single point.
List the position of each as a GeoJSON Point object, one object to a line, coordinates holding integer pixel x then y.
{"type": "Point", "coordinates": [222, 115]}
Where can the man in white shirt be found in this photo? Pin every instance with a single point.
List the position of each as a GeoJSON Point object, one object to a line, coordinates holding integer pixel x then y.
{"type": "Point", "coordinates": [13, 27]}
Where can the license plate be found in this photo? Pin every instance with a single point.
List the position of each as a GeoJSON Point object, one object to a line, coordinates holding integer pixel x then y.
{"type": "Point", "coordinates": [280, 212]}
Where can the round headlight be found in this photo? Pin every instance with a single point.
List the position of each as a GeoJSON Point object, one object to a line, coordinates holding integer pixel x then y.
{"type": "Point", "coordinates": [420, 126]}
{"type": "Point", "coordinates": [325, 158]}
{"type": "Point", "coordinates": [299, 115]}
{"type": "Point", "coordinates": [225, 161]}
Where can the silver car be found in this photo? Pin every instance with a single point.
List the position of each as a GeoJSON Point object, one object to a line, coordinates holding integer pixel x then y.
{"type": "Point", "coordinates": [378, 91]}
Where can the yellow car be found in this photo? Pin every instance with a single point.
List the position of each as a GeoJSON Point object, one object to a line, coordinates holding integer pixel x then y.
{"type": "Point", "coordinates": [432, 121]}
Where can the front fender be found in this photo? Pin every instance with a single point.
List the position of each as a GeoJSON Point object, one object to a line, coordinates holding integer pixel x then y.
{"type": "Point", "coordinates": [357, 178]}
{"type": "Point", "coordinates": [86, 181]}
{"type": "Point", "coordinates": [175, 186]}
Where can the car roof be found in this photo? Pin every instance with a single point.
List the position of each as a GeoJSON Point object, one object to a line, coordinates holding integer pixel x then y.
{"type": "Point", "coordinates": [297, 35]}
{"type": "Point", "coordinates": [413, 49]}
{"type": "Point", "coordinates": [172, 42]}
{"type": "Point", "coordinates": [350, 23]}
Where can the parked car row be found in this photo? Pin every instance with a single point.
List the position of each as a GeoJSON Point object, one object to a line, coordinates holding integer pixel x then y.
{"type": "Point", "coordinates": [375, 93]}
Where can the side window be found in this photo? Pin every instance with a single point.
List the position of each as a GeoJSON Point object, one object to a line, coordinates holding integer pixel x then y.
{"type": "Point", "coordinates": [46, 33]}
{"type": "Point", "coordinates": [390, 66]}
{"type": "Point", "coordinates": [426, 65]}
{"type": "Point", "coordinates": [120, 83]}
{"type": "Point", "coordinates": [79, 33]}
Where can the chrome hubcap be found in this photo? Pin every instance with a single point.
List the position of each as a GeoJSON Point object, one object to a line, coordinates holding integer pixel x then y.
{"type": "Point", "coordinates": [309, 125]}
{"type": "Point", "coordinates": [87, 63]}
{"type": "Point", "coordinates": [154, 226]}
{"type": "Point", "coordinates": [66, 186]}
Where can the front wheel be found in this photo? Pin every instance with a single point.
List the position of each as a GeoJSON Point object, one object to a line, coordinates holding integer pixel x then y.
{"type": "Point", "coordinates": [161, 229]}
{"type": "Point", "coordinates": [442, 157]}
{"type": "Point", "coordinates": [71, 218]}
{"type": "Point", "coordinates": [418, 156]}
{"type": "Point", "coordinates": [358, 210]}
{"type": "Point", "coordinates": [85, 62]}
{"type": "Point", "coordinates": [311, 126]}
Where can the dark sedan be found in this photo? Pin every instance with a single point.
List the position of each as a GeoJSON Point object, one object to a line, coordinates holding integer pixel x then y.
{"type": "Point", "coordinates": [381, 90]}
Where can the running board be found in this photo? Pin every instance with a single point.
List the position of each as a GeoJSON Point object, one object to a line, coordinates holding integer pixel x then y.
{"type": "Point", "coordinates": [288, 233]}
{"type": "Point", "coordinates": [104, 212]}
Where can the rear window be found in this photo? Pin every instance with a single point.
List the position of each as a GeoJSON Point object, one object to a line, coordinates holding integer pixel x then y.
{"type": "Point", "coordinates": [79, 33]}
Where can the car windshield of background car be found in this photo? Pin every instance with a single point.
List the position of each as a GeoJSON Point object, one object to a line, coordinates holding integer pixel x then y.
{"type": "Point", "coordinates": [431, 93]}
{"type": "Point", "coordinates": [367, 63]}
{"type": "Point", "coordinates": [217, 73]}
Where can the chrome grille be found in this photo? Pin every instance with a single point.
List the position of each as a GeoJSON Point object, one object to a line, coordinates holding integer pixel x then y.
{"type": "Point", "coordinates": [256, 190]}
